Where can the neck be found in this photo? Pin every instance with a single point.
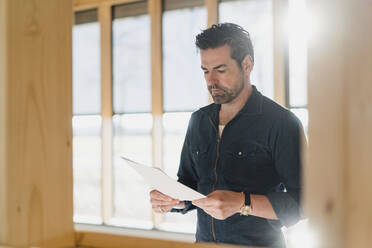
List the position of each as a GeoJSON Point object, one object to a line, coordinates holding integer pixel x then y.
{"type": "Point", "coordinates": [238, 103]}
{"type": "Point", "coordinates": [229, 110]}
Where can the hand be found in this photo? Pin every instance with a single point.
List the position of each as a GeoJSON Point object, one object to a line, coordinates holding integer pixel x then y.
{"type": "Point", "coordinates": [221, 204]}
{"type": "Point", "coordinates": [162, 203]}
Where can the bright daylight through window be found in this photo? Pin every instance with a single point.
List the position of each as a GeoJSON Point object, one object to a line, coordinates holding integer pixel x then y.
{"type": "Point", "coordinates": [137, 132]}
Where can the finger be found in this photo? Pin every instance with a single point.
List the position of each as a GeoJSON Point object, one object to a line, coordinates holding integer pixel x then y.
{"type": "Point", "coordinates": [157, 209]}
{"type": "Point", "coordinates": [161, 209]}
{"type": "Point", "coordinates": [160, 196]}
{"type": "Point", "coordinates": [161, 202]}
{"type": "Point", "coordinates": [167, 208]}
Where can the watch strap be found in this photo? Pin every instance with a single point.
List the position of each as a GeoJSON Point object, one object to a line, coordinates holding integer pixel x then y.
{"type": "Point", "coordinates": [247, 201]}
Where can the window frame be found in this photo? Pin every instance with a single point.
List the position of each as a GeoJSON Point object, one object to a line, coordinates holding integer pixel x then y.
{"type": "Point", "coordinates": [155, 10]}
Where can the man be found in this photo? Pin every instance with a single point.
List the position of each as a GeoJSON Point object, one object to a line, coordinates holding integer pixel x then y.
{"type": "Point", "coordinates": [242, 151]}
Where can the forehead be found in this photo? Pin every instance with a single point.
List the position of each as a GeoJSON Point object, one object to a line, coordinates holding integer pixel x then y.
{"type": "Point", "coordinates": [215, 56]}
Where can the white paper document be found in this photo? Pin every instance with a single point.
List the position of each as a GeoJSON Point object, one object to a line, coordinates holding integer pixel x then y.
{"type": "Point", "coordinates": [160, 181]}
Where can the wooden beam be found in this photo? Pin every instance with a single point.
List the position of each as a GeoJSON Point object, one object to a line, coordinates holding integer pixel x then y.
{"type": "Point", "coordinates": [280, 12]}
{"type": "Point", "coordinates": [212, 8]}
{"type": "Point", "coordinates": [97, 240]}
{"type": "Point", "coordinates": [338, 174]}
{"type": "Point", "coordinates": [80, 5]}
{"type": "Point", "coordinates": [358, 89]}
{"type": "Point", "coordinates": [105, 20]}
{"type": "Point", "coordinates": [36, 153]}
{"type": "Point", "coordinates": [155, 11]}
{"type": "Point", "coordinates": [3, 127]}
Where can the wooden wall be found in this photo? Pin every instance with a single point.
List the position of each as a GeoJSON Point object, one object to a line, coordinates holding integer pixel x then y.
{"type": "Point", "coordinates": [339, 171]}
{"type": "Point", "coordinates": [2, 118]}
{"type": "Point", "coordinates": [35, 116]}
{"type": "Point", "coordinates": [36, 137]}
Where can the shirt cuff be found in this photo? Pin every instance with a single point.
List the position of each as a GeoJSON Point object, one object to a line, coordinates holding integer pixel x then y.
{"type": "Point", "coordinates": [188, 207]}
{"type": "Point", "coordinates": [286, 208]}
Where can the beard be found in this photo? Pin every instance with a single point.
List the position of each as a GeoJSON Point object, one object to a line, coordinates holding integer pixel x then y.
{"type": "Point", "coordinates": [226, 95]}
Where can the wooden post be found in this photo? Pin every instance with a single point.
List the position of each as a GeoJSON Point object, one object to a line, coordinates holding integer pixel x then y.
{"type": "Point", "coordinates": [280, 12]}
{"type": "Point", "coordinates": [212, 8]}
{"type": "Point", "coordinates": [105, 20]}
{"type": "Point", "coordinates": [36, 206]}
{"type": "Point", "coordinates": [155, 10]}
{"type": "Point", "coordinates": [338, 173]}
{"type": "Point", "coordinates": [3, 87]}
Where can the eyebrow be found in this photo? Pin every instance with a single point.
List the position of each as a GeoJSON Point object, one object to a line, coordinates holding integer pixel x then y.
{"type": "Point", "coordinates": [216, 67]}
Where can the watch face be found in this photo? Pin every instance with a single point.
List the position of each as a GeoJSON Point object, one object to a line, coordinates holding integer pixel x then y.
{"type": "Point", "coordinates": [245, 210]}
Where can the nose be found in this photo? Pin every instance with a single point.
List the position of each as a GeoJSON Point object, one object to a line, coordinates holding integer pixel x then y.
{"type": "Point", "coordinates": [211, 78]}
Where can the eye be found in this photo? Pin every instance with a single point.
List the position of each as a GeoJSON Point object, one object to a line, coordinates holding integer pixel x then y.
{"type": "Point", "coordinates": [205, 72]}
{"type": "Point", "coordinates": [221, 71]}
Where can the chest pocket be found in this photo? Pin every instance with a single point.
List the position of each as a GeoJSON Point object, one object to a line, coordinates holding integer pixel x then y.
{"type": "Point", "coordinates": [245, 164]}
{"type": "Point", "coordinates": [201, 154]}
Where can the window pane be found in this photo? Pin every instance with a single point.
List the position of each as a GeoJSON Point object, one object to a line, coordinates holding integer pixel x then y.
{"type": "Point", "coordinates": [303, 115]}
{"type": "Point", "coordinates": [132, 139]}
{"type": "Point", "coordinates": [175, 126]}
{"type": "Point", "coordinates": [297, 53]}
{"type": "Point", "coordinates": [184, 85]}
{"type": "Point", "coordinates": [131, 64]}
{"type": "Point", "coordinates": [87, 168]}
{"type": "Point", "coordinates": [256, 17]}
{"type": "Point", "coordinates": [86, 69]}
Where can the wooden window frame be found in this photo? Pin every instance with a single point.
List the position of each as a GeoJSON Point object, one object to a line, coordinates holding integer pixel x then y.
{"type": "Point", "coordinates": [155, 11]}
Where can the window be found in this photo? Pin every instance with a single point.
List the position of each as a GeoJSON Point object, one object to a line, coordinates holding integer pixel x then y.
{"type": "Point", "coordinates": [87, 120]}
{"type": "Point", "coordinates": [132, 119]}
{"type": "Point", "coordinates": [183, 78]}
{"type": "Point", "coordinates": [135, 131]}
{"type": "Point", "coordinates": [297, 89]}
{"type": "Point", "coordinates": [184, 90]}
{"type": "Point", "coordinates": [298, 235]}
{"type": "Point", "coordinates": [256, 17]}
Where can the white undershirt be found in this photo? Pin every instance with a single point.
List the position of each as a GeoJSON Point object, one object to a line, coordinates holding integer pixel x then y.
{"type": "Point", "coordinates": [220, 129]}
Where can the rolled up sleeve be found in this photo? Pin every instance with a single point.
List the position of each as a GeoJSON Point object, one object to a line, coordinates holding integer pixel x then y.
{"type": "Point", "coordinates": [286, 147]}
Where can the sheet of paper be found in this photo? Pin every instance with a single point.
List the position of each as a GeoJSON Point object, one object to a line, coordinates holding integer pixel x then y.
{"type": "Point", "coordinates": [160, 181]}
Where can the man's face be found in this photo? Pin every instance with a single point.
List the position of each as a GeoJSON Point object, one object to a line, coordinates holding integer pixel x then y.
{"type": "Point", "coordinates": [225, 79]}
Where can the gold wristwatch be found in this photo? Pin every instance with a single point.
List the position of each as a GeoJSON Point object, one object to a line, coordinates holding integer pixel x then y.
{"type": "Point", "coordinates": [246, 209]}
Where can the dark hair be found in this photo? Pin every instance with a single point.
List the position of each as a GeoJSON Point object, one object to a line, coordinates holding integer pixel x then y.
{"type": "Point", "coordinates": [227, 33]}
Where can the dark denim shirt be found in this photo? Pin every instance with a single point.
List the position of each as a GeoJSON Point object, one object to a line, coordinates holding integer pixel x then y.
{"type": "Point", "coordinates": [258, 152]}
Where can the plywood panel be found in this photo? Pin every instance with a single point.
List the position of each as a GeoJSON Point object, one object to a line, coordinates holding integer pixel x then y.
{"type": "Point", "coordinates": [37, 165]}
{"type": "Point", "coordinates": [3, 76]}
{"type": "Point", "coordinates": [358, 91]}
{"type": "Point", "coordinates": [325, 173]}
{"type": "Point", "coordinates": [337, 178]}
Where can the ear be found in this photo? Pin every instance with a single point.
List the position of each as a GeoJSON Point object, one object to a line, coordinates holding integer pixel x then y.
{"type": "Point", "coordinates": [247, 64]}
